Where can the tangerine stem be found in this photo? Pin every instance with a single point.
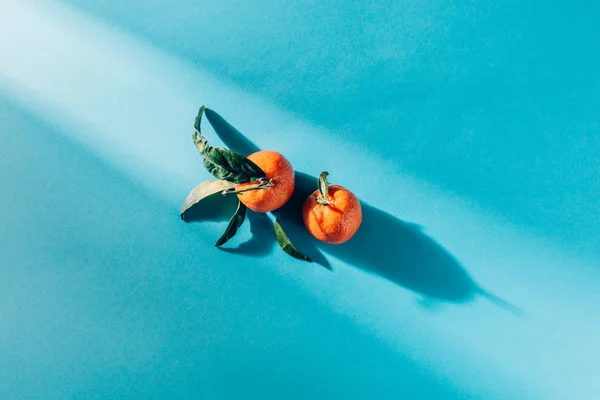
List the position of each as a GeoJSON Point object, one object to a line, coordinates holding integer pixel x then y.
{"type": "Point", "coordinates": [261, 186]}
{"type": "Point", "coordinates": [322, 200]}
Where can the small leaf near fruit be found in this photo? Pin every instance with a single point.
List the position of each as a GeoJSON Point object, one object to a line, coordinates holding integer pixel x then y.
{"type": "Point", "coordinates": [223, 163]}
{"type": "Point", "coordinates": [201, 192]}
{"type": "Point", "coordinates": [286, 244]}
{"type": "Point", "coordinates": [234, 224]}
{"type": "Point", "coordinates": [323, 186]}
{"type": "Point", "coordinates": [229, 165]}
{"type": "Point", "coordinates": [220, 172]}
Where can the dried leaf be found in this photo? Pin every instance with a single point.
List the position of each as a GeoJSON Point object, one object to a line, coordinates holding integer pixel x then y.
{"type": "Point", "coordinates": [202, 193]}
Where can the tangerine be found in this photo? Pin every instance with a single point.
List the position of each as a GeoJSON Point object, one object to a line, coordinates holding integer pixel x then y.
{"type": "Point", "coordinates": [333, 214]}
{"type": "Point", "coordinates": [275, 189]}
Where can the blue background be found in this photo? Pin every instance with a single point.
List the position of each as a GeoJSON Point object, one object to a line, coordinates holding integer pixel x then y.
{"type": "Point", "coordinates": [470, 131]}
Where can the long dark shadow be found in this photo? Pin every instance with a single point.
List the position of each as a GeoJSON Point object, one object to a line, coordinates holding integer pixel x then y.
{"type": "Point", "coordinates": [385, 245]}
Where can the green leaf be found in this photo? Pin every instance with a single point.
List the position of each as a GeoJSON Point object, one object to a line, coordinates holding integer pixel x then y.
{"type": "Point", "coordinates": [226, 164]}
{"type": "Point", "coordinates": [323, 184]}
{"type": "Point", "coordinates": [286, 244]}
{"type": "Point", "coordinates": [215, 170]}
{"type": "Point", "coordinates": [202, 195]}
{"type": "Point", "coordinates": [223, 163]}
{"type": "Point", "coordinates": [234, 224]}
{"type": "Point", "coordinates": [231, 166]}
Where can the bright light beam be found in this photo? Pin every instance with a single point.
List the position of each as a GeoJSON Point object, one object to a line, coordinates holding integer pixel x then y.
{"type": "Point", "coordinates": [134, 105]}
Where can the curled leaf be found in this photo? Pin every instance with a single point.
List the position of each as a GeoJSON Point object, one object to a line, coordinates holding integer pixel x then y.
{"type": "Point", "coordinates": [286, 244]}
{"type": "Point", "coordinates": [323, 184]}
{"type": "Point", "coordinates": [223, 163]}
{"type": "Point", "coordinates": [203, 193]}
{"type": "Point", "coordinates": [197, 137]}
{"type": "Point", "coordinates": [198, 119]}
{"type": "Point", "coordinates": [234, 224]}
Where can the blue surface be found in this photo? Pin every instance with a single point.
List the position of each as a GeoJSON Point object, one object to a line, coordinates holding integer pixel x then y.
{"type": "Point", "coordinates": [497, 101]}
{"type": "Point", "coordinates": [105, 296]}
{"type": "Point", "coordinates": [471, 133]}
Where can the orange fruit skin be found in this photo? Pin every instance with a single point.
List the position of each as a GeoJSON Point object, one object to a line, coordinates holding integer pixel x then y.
{"type": "Point", "coordinates": [333, 223]}
{"type": "Point", "coordinates": [278, 169]}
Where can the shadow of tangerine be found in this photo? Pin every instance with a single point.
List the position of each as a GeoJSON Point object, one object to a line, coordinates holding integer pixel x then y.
{"type": "Point", "coordinates": [384, 245]}
{"type": "Point", "coordinates": [389, 247]}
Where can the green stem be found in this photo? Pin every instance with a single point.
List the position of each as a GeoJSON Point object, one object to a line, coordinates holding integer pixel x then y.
{"type": "Point", "coordinates": [322, 200]}
{"type": "Point", "coordinates": [262, 184]}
